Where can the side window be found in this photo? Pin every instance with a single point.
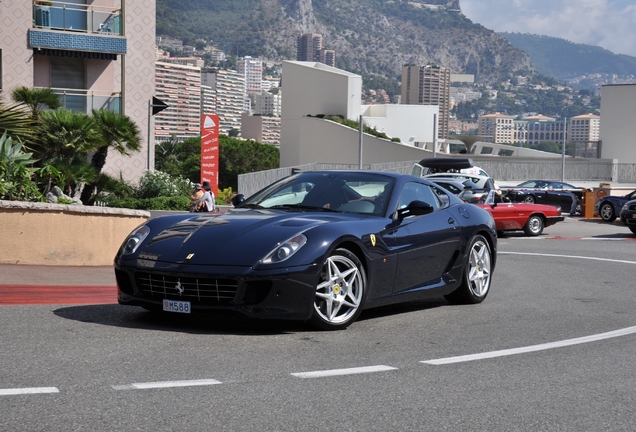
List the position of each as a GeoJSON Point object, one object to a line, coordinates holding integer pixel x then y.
{"type": "Point", "coordinates": [413, 191]}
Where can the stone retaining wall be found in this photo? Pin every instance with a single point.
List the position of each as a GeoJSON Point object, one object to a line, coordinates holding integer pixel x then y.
{"type": "Point", "coordinates": [65, 235]}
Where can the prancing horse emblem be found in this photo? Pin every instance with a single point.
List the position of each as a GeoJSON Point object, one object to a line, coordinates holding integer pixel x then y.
{"type": "Point", "coordinates": [179, 288]}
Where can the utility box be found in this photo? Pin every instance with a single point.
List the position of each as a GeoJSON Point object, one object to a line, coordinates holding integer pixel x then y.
{"type": "Point", "coordinates": [587, 207]}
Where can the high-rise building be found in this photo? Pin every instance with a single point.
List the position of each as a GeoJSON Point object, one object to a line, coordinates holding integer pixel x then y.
{"type": "Point", "coordinates": [428, 85]}
{"type": "Point", "coordinates": [231, 100]}
{"type": "Point", "coordinates": [252, 71]}
{"type": "Point", "coordinates": [179, 86]}
{"type": "Point", "coordinates": [79, 53]}
{"type": "Point", "coordinates": [327, 57]}
{"type": "Point", "coordinates": [308, 46]}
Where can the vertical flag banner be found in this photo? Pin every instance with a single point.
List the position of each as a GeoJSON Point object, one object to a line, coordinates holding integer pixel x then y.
{"type": "Point", "coordinates": [210, 151]}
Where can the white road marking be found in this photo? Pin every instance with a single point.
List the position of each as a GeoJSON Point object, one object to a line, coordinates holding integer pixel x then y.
{"type": "Point", "coordinates": [167, 384]}
{"type": "Point", "coordinates": [30, 390]}
{"type": "Point", "coordinates": [568, 256]}
{"type": "Point", "coordinates": [349, 371]}
{"type": "Point", "coordinates": [532, 348]}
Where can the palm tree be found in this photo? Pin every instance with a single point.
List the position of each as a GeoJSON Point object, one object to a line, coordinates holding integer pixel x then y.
{"type": "Point", "coordinates": [67, 133]}
{"type": "Point", "coordinates": [36, 99]}
{"type": "Point", "coordinates": [15, 121]}
{"type": "Point", "coordinates": [119, 132]}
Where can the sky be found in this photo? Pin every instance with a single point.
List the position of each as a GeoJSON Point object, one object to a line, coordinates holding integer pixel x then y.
{"type": "Point", "coordinates": [610, 24]}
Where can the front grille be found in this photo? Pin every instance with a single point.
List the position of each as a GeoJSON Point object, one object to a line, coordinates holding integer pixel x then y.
{"type": "Point", "coordinates": [194, 289]}
{"type": "Point", "coordinates": [632, 207]}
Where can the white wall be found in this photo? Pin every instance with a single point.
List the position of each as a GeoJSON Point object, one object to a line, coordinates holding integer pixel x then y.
{"type": "Point", "coordinates": [618, 116]}
{"type": "Point", "coordinates": [410, 123]}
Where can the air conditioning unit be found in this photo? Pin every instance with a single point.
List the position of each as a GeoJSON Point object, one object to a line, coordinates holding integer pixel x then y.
{"type": "Point", "coordinates": [43, 16]}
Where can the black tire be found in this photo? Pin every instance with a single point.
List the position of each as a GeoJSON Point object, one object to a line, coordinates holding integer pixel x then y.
{"type": "Point", "coordinates": [606, 212]}
{"type": "Point", "coordinates": [340, 291]}
{"type": "Point", "coordinates": [529, 199]}
{"type": "Point", "coordinates": [534, 225]}
{"type": "Point", "coordinates": [477, 274]}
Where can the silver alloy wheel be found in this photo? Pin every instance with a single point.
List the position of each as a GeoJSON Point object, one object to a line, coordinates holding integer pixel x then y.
{"type": "Point", "coordinates": [534, 225]}
{"type": "Point", "coordinates": [340, 290]}
{"type": "Point", "coordinates": [479, 268]}
{"type": "Point", "coordinates": [607, 212]}
{"type": "Point", "coordinates": [529, 199]}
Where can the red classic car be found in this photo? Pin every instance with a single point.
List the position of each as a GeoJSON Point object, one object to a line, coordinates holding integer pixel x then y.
{"type": "Point", "coordinates": [531, 218]}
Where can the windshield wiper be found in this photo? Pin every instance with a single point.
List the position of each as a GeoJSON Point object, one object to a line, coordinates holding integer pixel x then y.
{"type": "Point", "coordinates": [251, 206]}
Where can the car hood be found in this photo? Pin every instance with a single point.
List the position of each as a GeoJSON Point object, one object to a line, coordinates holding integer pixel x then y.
{"type": "Point", "coordinates": [237, 238]}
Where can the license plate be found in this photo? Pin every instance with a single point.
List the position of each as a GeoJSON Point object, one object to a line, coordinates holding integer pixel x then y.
{"type": "Point", "coordinates": [176, 306]}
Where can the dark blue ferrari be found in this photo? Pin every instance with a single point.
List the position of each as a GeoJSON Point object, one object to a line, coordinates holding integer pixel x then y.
{"type": "Point", "coordinates": [316, 246]}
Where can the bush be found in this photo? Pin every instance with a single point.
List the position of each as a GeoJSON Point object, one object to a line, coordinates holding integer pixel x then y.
{"type": "Point", "coordinates": [178, 203]}
{"type": "Point", "coordinates": [159, 184]}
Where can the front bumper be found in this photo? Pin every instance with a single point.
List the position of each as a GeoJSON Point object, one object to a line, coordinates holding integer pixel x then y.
{"type": "Point", "coordinates": [286, 293]}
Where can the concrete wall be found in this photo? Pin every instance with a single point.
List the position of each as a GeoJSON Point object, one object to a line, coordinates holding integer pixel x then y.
{"type": "Point", "coordinates": [618, 115]}
{"type": "Point", "coordinates": [69, 235]}
{"type": "Point", "coordinates": [410, 123]}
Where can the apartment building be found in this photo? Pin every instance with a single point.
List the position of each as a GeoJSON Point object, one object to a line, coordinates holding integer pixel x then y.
{"type": "Point", "coordinates": [264, 129]}
{"type": "Point", "coordinates": [544, 129]}
{"type": "Point", "coordinates": [252, 70]}
{"type": "Point", "coordinates": [584, 128]}
{"type": "Point", "coordinates": [309, 48]}
{"type": "Point", "coordinates": [499, 128]}
{"type": "Point", "coordinates": [428, 85]}
{"type": "Point", "coordinates": [97, 55]}
{"type": "Point", "coordinates": [179, 86]}
{"type": "Point", "coordinates": [268, 104]}
{"type": "Point", "coordinates": [231, 100]}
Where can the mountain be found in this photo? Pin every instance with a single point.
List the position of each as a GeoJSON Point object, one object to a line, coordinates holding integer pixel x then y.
{"type": "Point", "coordinates": [370, 37]}
{"type": "Point", "coordinates": [565, 60]}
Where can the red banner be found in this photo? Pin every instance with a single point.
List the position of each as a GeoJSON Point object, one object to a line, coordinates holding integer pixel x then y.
{"type": "Point", "coordinates": [210, 151]}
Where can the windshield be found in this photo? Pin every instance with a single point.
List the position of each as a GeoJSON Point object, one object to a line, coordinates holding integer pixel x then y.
{"type": "Point", "coordinates": [346, 191]}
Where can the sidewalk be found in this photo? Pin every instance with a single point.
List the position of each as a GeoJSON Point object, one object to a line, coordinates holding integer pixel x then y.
{"type": "Point", "coordinates": [23, 274]}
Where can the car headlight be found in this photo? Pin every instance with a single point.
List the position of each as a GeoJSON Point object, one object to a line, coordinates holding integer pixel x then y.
{"type": "Point", "coordinates": [625, 207]}
{"type": "Point", "coordinates": [285, 250]}
{"type": "Point", "coordinates": [134, 240]}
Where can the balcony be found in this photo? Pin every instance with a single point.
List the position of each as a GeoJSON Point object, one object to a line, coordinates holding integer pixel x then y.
{"type": "Point", "coordinates": [77, 27]}
{"type": "Point", "coordinates": [86, 100]}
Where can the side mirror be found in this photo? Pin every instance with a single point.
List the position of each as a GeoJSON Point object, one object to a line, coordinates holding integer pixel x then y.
{"type": "Point", "coordinates": [415, 208]}
{"type": "Point", "coordinates": [237, 200]}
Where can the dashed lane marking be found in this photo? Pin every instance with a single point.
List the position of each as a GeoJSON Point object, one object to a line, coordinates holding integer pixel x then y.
{"type": "Point", "coordinates": [349, 371]}
{"type": "Point", "coordinates": [28, 390]}
{"type": "Point", "coordinates": [167, 384]}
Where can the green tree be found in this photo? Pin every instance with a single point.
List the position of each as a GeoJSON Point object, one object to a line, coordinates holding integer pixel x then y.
{"type": "Point", "coordinates": [239, 156]}
{"type": "Point", "coordinates": [36, 99]}
{"type": "Point", "coordinates": [16, 122]}
{"type": "Point", "coordinates": [118, 132]}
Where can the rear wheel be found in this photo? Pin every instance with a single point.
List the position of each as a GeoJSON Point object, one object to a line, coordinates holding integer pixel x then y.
{"type": "Point", "coordinates": [607, 212]}
{"type": "Point", "coordinates": [477, 272]}
{"type": "Point", "coordinates": [534, 225]}
{"type": "Point", "coordinates": [529, 199]}
{"type": "Point", "coordinates": [340, 291]}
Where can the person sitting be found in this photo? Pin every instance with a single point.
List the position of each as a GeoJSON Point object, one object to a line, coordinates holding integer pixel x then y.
{"type": "Point", "coordinates": [195, 203]}
{"type": "Point", "coordinates": [207, 200]}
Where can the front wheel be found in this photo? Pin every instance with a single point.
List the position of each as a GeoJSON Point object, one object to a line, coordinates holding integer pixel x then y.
{"type": "Point", "coordinates": [477, 273]}
{"type": "Point", "coordinates": [340, 291]}
{"type": "Point", "coordinates": [607, 212]}
{"type": "Point", "coordinates": [534, 226]}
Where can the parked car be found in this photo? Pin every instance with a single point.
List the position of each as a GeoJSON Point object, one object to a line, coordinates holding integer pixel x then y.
{"type": "Point", "coordinates": [531, 218]}
{"type": "Point", "coordinates": [446, 164]}
{"type": "Point", "coordinates": [481, 185]}
{"type": "Point", "coordinates": [316, 246]}
{"type": "Point", "coordinates": [464, 189]}
{"type": "Point", "coordinates": [628, 215]}
{"type": "Point", "coordinates": [547, 192]}
{"type": "Point", "coordinates": [609, 206]}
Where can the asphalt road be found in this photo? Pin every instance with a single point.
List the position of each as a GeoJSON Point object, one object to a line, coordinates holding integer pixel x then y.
{"type": "Point", "coordinates": [554, 345]}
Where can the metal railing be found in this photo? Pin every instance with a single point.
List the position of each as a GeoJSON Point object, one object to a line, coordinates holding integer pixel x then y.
{"type": "Point", "coordinates": [57, 15]}
{"type": "Point", "coordinates": [86, 100]}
